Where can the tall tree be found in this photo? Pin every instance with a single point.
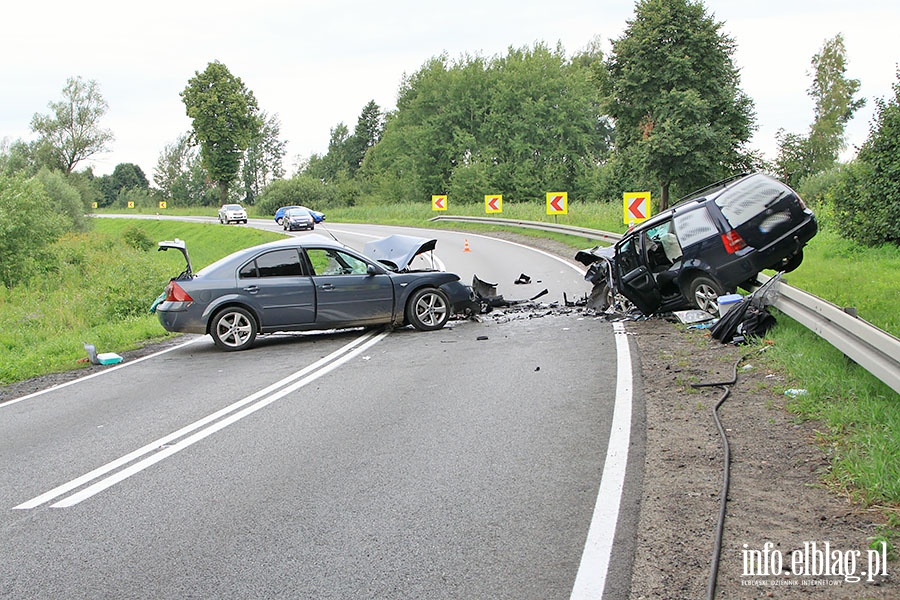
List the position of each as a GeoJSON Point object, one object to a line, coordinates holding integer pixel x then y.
{"type": "Point", "coordinates": [125, 176]}
{"type": "Point", "coordinates": [71, 132]}
{"type": "Point", "coordinates": [225, 122]}
{"type": "Point", "coordinates": [264, 159]}
{"type": "Point", "coordinates": [180, 176]}
{"type": "Point", "coordinates": [521, 123]}
{"type": "Point", "coordinates": [673, 93]}
{"type": "Point", "coordinates": [833, 93]}
{"type": "Point", "coordinates": [367, 133]}
{"type": "Point", "coordinates": [835, 104]}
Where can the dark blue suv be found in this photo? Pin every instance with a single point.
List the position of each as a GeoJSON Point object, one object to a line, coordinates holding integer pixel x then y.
{"type": "Point", "coordinates": [708, 244]}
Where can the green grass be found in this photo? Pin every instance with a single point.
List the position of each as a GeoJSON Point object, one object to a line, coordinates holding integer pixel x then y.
{"type": "Point", "coordinates": [98, 289]}
{"type": "Point", "coordinates": [859, 416]}
{"type": "Point", "coordinates": [848, 274]}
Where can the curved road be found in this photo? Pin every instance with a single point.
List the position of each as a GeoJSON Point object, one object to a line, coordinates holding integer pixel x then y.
{"type": "Point", "coordinates": [471, 462]}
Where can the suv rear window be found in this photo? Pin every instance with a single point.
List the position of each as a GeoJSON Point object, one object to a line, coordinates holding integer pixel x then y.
{"type": "Point", "coordinates": [749, 198]}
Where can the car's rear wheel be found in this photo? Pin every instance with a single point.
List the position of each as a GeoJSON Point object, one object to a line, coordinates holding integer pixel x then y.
{"type": "Point", "coordinates": [233, 328]}
{"type": "Point", "coordinates": [704, 292]}
{"type": "Point", "coordinates": [428, 309]}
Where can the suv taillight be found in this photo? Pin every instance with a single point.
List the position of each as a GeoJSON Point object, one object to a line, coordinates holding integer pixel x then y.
{"type": "Point", "coordinates": [176, 293]}
{"type": "Point", "coordinates": [733, 242]}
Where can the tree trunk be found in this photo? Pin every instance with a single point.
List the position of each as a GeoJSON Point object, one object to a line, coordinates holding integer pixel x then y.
{"type": "Point", "coordinates": [664, 197]}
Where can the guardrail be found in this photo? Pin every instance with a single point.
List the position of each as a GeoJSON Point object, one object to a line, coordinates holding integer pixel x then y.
{"type": "Point", "coordinates": [873, 349]}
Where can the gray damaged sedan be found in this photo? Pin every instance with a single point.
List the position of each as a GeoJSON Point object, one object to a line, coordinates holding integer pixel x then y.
{"type": "Point", "coordinates": [309, 283]}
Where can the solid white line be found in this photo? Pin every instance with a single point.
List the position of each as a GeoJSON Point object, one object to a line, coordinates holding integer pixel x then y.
{"type": "Point", "coordinates": [98, 373]}
{"type": "Point", "coordinates": [366, 340]}
{"type": "Point", "coordinates": [591, 579]}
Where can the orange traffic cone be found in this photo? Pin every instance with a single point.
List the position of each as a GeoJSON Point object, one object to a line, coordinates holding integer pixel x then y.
{"type": "Point", "coordinates": [466, 246]}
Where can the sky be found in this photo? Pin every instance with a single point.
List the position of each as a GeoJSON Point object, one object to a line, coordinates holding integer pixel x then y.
{"type": "Point", "coordinates": [316, 63]}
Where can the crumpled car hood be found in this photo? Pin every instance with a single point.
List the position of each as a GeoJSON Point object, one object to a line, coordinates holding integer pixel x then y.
{"type": "Point", "coordinates": [591, 255]}
{"type": "Point", "coordinates": [398, 251]}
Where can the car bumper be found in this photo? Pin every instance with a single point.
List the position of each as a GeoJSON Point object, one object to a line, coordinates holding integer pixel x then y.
{"type": "Point", "coordinates": [462, 298]}
{"type": "Point", "coordinates": [179, 317]}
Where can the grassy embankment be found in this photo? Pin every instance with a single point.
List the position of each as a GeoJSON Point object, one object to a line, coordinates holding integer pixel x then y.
{"type": "Point", "coordinates": [99, 289]}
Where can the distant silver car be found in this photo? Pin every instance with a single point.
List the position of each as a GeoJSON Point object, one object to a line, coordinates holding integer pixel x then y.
{"type": "Point", "coordinates": [232, 213]}
{"type": "Point", "coordinates": [306, 283]}
{"type": "Point", "coordinates": [297, 218]}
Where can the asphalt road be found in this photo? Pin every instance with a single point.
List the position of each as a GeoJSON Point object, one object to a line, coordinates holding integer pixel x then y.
{"type": "Point", "coordinates": [462, 463]}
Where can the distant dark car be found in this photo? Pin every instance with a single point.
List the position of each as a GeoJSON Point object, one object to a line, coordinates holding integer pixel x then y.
{"type": "Point", "coordinates": [317, 216]}
{"type": "Point", "coordinates": [232, 213]}
{"type": "Point", "coordinates": [309, 282]}
{"type": "Point", "coordinates": [717, 239]}
{"type": "Point", "coordinates": [297, 218]}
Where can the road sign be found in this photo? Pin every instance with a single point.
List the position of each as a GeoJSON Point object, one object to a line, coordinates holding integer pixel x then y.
{"type": "Point", "coordinates": [439, 203]}
{"type": "Point", "coordinates": [557, 203]}
{"type": "Point", "coordinates": [130, 204]}
{"type": "Point", "coordinates": [637, 207]}
{"type": "Point", "coordinates": [493, 203]}
{"type": "Point", "coordinates": [162, 203]}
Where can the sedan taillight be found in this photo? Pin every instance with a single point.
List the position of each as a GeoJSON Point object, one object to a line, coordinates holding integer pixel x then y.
{"type": "Point", "coordinates": [176, 293]}
{"type": "Point", "coordinates": [733, 242]}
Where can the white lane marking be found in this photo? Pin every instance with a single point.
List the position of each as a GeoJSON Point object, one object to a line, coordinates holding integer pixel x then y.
{"type": "Point", "coordinates": [591, 579]}
{"type": "Point", "coordinates": [98, 373]}
{"type": "Point", "coordinates": [167, 445]}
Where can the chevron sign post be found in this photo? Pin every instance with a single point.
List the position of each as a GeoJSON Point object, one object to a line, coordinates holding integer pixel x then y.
{"type": "Point", "coordinates": [439, 203]}
{"type": "Point", "coordinates": [637, 207]}
{"type": "Point", "coordinates": [557, 203]}
{"type": "Point", "coordinates": [493, 203]}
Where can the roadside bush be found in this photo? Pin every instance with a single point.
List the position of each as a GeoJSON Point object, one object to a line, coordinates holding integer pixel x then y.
{"type": "Point", "coordinates": [817, 191]}
{"type": "Point", "coordinates": [301, 190]}
{"type": "Point", "coordinates": [137, 238]}
{"type": "Point", "coordinates": [23, 229]}
{"type": "Point", "coordinates": [868, 205]}
{"type": "Point", "coordinates": [66, 209]}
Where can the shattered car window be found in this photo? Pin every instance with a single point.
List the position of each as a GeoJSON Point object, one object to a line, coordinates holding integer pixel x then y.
{"type": "Point", "coordinates": [664, 234]}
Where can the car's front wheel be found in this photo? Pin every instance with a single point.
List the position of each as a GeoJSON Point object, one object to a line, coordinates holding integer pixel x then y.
{"type": "Point", "coordinates": [233, 328]}
{"type": "Point", "coordinates": [428, 309]}
{"type": "Point", "coordinates": [601, 297]}
{"type": "Point", "coordinates": [704, 292]}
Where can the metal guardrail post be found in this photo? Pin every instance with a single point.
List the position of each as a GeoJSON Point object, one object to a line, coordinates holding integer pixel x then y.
{"type": "Point", "coordinates": [875, 350]}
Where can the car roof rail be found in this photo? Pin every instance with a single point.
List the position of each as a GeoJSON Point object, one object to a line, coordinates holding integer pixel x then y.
{"type": "Point", "coordinates": [713, 186]}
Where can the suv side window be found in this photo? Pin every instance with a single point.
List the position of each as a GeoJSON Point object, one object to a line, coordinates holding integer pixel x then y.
{"type": "Point", "coordinates": [694, 226]}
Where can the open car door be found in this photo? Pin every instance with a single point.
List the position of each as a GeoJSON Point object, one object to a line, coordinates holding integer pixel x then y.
{"type": "Point", "coordinates": [634, 278]}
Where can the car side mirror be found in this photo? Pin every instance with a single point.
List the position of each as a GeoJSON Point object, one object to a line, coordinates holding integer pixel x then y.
{"type": "Point", "coordinates": [372, 270]}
